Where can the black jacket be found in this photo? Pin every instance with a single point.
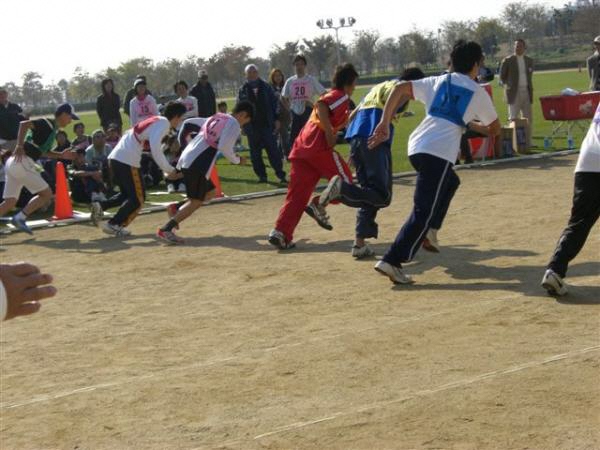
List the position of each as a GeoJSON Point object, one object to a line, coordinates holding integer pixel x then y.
{"type": "Point", "coordinates": [10, 117]}
{"type": "Point", "coordinates": [207, 100]}
{"type": "Point", "coordinates": [107, 107]}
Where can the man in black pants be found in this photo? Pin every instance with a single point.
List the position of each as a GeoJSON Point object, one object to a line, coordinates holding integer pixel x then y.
{"type": "Point", "coordinates": [125, 161]}
{"type": "Point", "coordinates": [261, 131]}
{"type": "Point", "coordinates": [584, 214]}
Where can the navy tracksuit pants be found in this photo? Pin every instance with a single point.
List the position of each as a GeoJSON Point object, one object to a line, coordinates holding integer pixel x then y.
{"type": "Point", "coordinates": [436, 185]}
{"type": "Point", "coordinates": [263, 137]}
{"type": "Point", "coordinates": [374, 175]}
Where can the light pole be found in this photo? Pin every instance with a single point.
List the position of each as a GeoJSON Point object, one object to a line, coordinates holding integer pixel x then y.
{"type": "Point", "coordinates": [328, 25]}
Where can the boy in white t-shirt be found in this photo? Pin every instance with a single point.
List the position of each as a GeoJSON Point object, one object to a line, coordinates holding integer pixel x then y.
{"type": "Point", "coordinates": [191, 103]}
{"type": "Point", "coordinates": [125, 161]}
{"type": "Point", "coordinates": [584, 213]}
{"type": "Point", "coordinates": [451, 101]}
{"type": "Point", "coordinates": [299, 91]}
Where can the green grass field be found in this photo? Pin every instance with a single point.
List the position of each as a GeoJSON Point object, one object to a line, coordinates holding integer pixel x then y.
{"type": "Point", "coordinates": [240, 180]}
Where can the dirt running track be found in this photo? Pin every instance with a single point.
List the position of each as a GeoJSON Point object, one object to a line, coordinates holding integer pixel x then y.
{"type": "Point", "coordinates": [224, 343]}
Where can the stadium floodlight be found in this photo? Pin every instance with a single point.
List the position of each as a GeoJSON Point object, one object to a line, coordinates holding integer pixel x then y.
{"type": "Point", "coordinates": [344, 22]}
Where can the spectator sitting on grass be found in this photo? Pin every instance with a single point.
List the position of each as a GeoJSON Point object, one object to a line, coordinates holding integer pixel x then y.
{"type": "Point", "coordinates": [97, 153]}
{"type": "Point", "coordinates": [62, 141]}
{"type": "Point", "coordinates": [81, 141]}
{"type": "Point", "coordinates": [86, 181]}
{"type": "Point", "coordinates": [172, 151]}
{"type": "Point", "coordinates": [113, 135]}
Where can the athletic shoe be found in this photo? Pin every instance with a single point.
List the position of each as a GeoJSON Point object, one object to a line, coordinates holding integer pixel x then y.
{"type": "Point", "coordinates": [169, 237]}
{"type": "Point", "coordinates": [181, 188]}
{"type": "Point", "coordinates": [263, 180]}
{"type": "Point", "coordinates": [277, 239]}
{"type": "Point", "coordinates": [171, 211]}
{"type": "Point", "coordinates": [318, 213]}
{"type": "Point", "coordinates": [171, 188]}
{"type": "Point", "coordinates": [20, 224]}
{"type": "Point", "coordinates": [98, 197]}
{"type": "Point", "coordinates": [96, 213]}
{"type": "Point", "coordinates": [554, 284]}
{"type": "Point", "coordinates": [283, 181]}
{"type": "Point", "coordinates": [362, 252]}
{"type": "Point", "coordinates": [115, 230]}
{"type": "Point", "coordinates": [332, 191]}
{"type": "Point", "coordinates": [395, 274]}
{"type": "Point", "coordinates": [430, 243]}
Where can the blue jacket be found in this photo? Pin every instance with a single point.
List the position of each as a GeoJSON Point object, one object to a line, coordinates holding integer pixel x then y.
{"type": "Point", "coordinates": [264, 101]}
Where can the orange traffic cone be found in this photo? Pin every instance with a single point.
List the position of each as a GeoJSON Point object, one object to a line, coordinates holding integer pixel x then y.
{"type": "Point", "coordinates": [63, 209]}
{"type": "Point", "coordinates": [214, 177]}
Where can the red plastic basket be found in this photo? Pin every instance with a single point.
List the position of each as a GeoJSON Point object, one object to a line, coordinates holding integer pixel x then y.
{"type": "Point", "coordinates": [570, 107]}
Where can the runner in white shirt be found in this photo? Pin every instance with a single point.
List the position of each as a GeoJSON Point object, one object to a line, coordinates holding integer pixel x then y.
{"type": "Point", "coordinates": [125, 161]}
{"type": "Point", "coordinates": [217, 133]}
{"type": "Point", "coordinates": [584, 213]}
{"type": "Point", "coordinates": [299, 92]}
{"type": "Point", "coordinates": [143, 105]}
{"type": "Point", "coordinates": [191, 103]}
{"type": "Point", "coordinates": [451, 101]}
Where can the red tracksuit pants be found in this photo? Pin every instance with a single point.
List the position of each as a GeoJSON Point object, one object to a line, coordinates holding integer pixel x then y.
{"type": "Point", "coordinates": [305, 173]}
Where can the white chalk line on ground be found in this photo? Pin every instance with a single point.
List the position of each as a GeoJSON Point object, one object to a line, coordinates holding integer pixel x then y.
{"type": "Point", "coordinates": [391, 322]}
{"type": "Point", "coordinates": [426, 392]}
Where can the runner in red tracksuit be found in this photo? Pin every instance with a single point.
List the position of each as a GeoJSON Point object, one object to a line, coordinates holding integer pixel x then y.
{"type": "Point", "coordinates": [313, 157]}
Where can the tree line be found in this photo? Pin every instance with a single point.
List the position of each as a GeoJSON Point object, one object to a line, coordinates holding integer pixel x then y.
{"type": "Point", "coordinates": [543, 27]}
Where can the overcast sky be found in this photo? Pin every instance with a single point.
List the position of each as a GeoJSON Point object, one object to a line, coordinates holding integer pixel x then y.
{"type": "Point", "coordinates": [54, 38]}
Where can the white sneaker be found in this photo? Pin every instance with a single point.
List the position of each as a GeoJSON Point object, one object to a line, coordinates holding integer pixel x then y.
{"type": "Point", "coordinates": [171, 188]}
{"type": "Point", "coordinates": [98, 197]}
{"type": "Point", "coordinates": [181, 188]}
{"type": "Point", "coordinates": [395, 274]}
{"type": "Point", "coordinates": [554, 284]}
{"type": "Point", "coordinates": [277, 239]}
{"type": "Point", "coordinates": [115, 230]}
{"type": "Point", "coordinates": [317, 212]}
{"type": "Point", "coordinates": [96, 213]}
{"type": "Point", "coordinates": [332, 191]}
{"type": "Point", "coordinates": [362, 252]}
{"type": "Point", "coordinates": [430, 243]}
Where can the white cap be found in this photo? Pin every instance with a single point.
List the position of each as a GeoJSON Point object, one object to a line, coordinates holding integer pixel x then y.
{"type": "Point", "coordinates": [597, 40]}
{"type": "Point", "coordinates": [250, 67]}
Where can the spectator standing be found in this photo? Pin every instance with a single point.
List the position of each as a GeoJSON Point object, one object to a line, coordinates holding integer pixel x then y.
{"type": "Point", "coordinates": [143, 105]}
{"type": "Point", "coordinates": [593, 66]}
{"type": "Point", "coordinates": [516, 72]}
{"type": "Point", "coordinates": [108, 104]}
{"type": "Point", "coordinates": [191, 103]}
{"type": "Point", "coordinates": [11, 115]}
{"type": "Point", "coordinates": [82, 140]}
{"type": "Point", "coordinates": [299, 91]}
{"type": "Point", "coordinates": [264, 125]}
{"type": "Point", "coordinates": [131, 93]}
{"type": "Point", "coordinates": [205, 94]}
{"type": "Point", "coordinates": [277, 81]}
